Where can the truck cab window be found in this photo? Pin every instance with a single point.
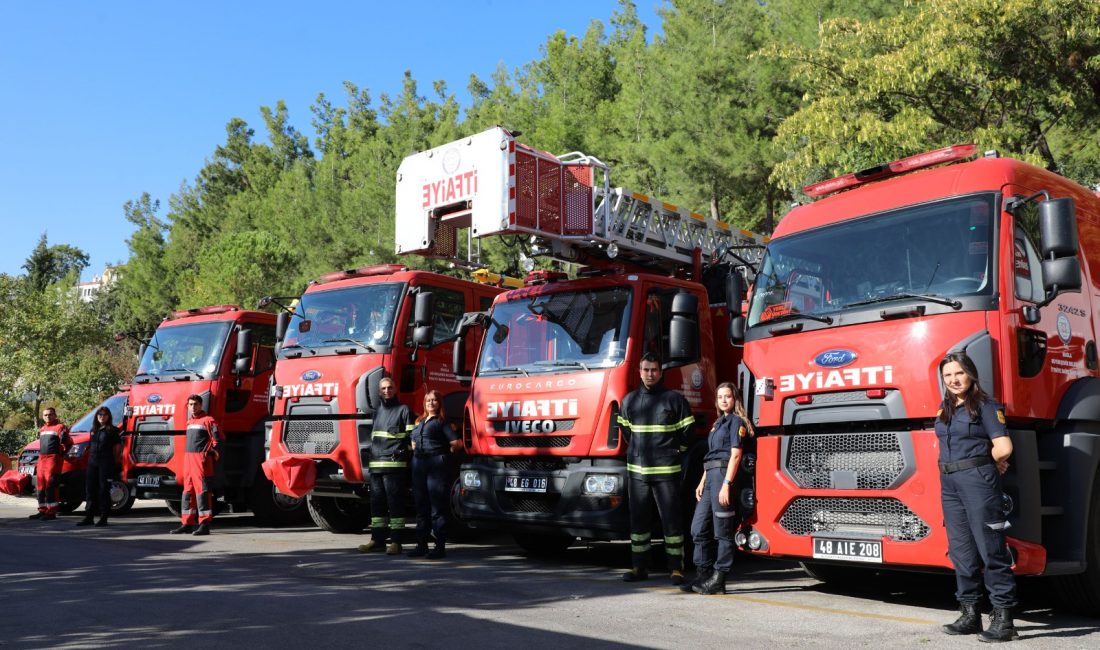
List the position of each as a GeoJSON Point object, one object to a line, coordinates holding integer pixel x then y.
{"type": "Point", "coordinates": [1027, 266]}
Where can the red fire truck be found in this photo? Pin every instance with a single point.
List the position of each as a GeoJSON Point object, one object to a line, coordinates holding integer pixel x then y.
{"type": "Point", "coordinates": [350, 329]}
{"type": "Point", "coordinates": [226, 355]}
{"type": "Point", "coordinates": [856, 301]}
{"type": "Point", "coordinates": [559, 355]}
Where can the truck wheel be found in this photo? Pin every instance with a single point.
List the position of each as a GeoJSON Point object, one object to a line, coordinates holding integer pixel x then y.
{"type": "Point", "coordinates": [174, 507]}
{"type": "Point", "coordinates": [273, 508]}
{"type": "Point", "coordinates": [457, 528]}
{"type": "Point", "coordinates": [1081, 592]}
{"type": "Point", "coordinates": [70, 505]}
{"type": "Point", "coordinates": [121, 501]}
{"type": "Point", "coordinates": [543, 545]}
{"type": "Point", "coordinates": [339, 515]}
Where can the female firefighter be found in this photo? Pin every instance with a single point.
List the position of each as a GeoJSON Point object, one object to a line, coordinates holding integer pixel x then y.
{"type": "Point", "coordinates": [105, 442]}
{"type": "Point", "coordinates": [974, 451]}
{"type": "Point", "coordinates": [432, 440]}
{"type": "Point", "coordinates": [712, 527]}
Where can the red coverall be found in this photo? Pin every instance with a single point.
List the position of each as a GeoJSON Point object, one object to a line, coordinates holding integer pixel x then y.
{"type": "Point", "coordinates": [203, 438]}
{"type": "Point", "coordinates": [53, 442]}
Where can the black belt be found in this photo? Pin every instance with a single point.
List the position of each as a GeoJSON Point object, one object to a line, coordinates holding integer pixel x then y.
{"type": "Point", "coordinates": [715, 464]}
{"type": "Point", "coordinates": [428, 454]}
{"type": "Point", "coordinates": [966, 463]}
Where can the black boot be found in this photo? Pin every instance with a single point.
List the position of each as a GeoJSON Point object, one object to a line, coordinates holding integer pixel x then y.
{"type": "Point", "coordinates": [1000, 627]}
{"type": "Point", "coordinates": [715, 584]}
{"type": "Point", "coordinates": [182, 530]}
{"type": "Point", "coordinates": [420, 551]}
{"type": "Point", "coordinates": [203, 529]}
{"type": "Point", "coordinates": [102, 522]}
{"type": "Point", "coordinates": [439, 552]}
{"type": "Point", "coordinates": [969, 621]}
{"type": "Point", "coordinates": [700, 577]}
{"type": "Point", "coordinates": [636, 574]}
{"type": "Point", "coordinates": [86, 521]}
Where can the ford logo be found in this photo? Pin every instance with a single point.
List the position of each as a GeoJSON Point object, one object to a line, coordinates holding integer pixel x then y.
{"type": "Point", "coordinates": [835, 358]}
{"type": "Point", "coordinates": [311, 375]}
{"type": "Point", "coordinates": [154, 398]}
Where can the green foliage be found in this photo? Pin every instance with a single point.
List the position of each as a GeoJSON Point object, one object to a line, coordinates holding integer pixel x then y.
{"type": "Point", "coordinates": [49, 264]}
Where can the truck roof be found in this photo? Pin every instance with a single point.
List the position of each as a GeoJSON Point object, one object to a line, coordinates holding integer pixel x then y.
{"type": "Point", "coordinates": [983, 174]}
{"type": "Point", "coordinates": [229, 313]}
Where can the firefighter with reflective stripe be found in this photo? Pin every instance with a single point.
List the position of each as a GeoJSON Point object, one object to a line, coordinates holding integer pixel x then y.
{"type": "Point", "coordinates": [657, 424]}
{"type": "Point", "coordinates": [203, 439]}
{"type": "Point", "coordinates": [53, 442]}
{"type": "Point", "coordinates": [389, 470]}
{"type": "Point", "coordinates": [974, 451]}
{"type": "Point", "coordinates": [712, 527]}
{"type": "Point", "coordinates": [432, 440]}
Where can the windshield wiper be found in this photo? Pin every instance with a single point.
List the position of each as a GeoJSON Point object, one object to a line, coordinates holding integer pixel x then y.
{"type": "Point", "coordinates": [950, 302]}
{"type": "Point", "coordinates": [828, 320]}
{"type": "Point", "coordinates": [359, 343]}
{"type": "Point", "coordinates": [564, 364]}
{"type": "Point", "coordinates": [508, 369]}
{"type": "Point", "coordinates": [189, 371]}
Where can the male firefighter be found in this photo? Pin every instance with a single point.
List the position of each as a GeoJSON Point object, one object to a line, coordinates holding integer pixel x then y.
{"type": "Point", "coordinates": [656, 422]}
{"type": "Point", "coordinates": [203, 439]}
{"type": "Point", "coordinates": [389, 471]}
{"type": "Point", "coordinates": [53, 442]}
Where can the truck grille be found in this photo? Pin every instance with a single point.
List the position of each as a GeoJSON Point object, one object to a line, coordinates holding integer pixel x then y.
{"type": "Point", "coordinates": [153, 449]}
{"type": "Point", "coordinates": [534, 464]}
{"type": "Point", "coordinates": [310, 436]}
{"type": "Point", "coordinates": [501, 426]}
{"type": "Point", "coordinates": [875, 460]}
{"type": "Point", "coordinates": [541, 503]}
{"type": "Point", "coordinates": [854, 515]}
{"type": "Point", "coordinates": [540, 442]}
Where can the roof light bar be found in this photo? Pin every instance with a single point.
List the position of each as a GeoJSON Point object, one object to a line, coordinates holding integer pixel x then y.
{"type": "Point", "coordinates": [203, 311]}
{"type": "Point", "coordinates": [900, 166]}
{"type": "Point", "coordinates": [362, 272]}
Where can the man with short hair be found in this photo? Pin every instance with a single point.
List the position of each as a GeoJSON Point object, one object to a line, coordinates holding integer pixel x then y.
{"type": "Point", "coordinates": [657, 423]}
{"type": "Point", "coordinates": [203, 439]}
{"type": "Point", "coordinates": [389, 471]}
{"type": "Point", "coordinates": [53, 442]}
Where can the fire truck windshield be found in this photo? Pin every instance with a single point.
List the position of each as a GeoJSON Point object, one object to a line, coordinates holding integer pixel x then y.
{"type": "Point", "coordinates": [556, 331]}
{"type": "Point", "coordinates": [116, 404]}
{"type": "Point", "coordinates": [185, 349]}
{"type": "Point", "coordinates": [362, 315]}
{"type": "Point", "coordinates": [933, 251]}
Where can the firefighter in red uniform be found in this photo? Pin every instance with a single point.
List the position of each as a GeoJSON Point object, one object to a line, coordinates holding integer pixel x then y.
{"type": "Point", "coordinates": [203, 438]}
{"type": "Point", "coordinates": [53, 441]}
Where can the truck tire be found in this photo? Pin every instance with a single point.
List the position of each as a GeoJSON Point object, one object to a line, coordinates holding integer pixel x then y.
{"type": "Point", "coordinates": [1081, 592]}
{"type": "Point", "coordinates": [121, 499]}
{"type": "Point", "coordinates": [342, 516]}
{"type": "Point", "coordinates": [69, 505]}
{"type": "Point", "coordinates": [273, 508]}
{"type": "Point", "coordinates": [457, 528]}
{"type": "Point", "coordinates": [543, 545]}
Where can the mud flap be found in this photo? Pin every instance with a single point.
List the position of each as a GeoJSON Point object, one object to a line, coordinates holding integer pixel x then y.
{"type": "Point", "coordinates": [292, 476]}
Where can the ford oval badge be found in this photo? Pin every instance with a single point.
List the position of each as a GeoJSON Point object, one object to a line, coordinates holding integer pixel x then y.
{"type": "Point", "coordinates": [311, 375]}
{"type": "Point", "coordinates": [835, 358]}
{"type": "Point", "coordinates": [154, 398]}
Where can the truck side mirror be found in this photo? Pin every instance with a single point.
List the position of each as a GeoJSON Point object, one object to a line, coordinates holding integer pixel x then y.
{"type": "Point", "coordinates": [1062, 274]}
{"type": "Point", "coordinates": [423, 318]}
{"type": "Point", "coordinates": [683, 331]}
{"type": "Point", "coordinates": [1058, 228]}
{"type": "Point", "coordinates": [141, 352]}
{"type": "Point", "coordinates": [242, 361]}
{"type": "Point", "coordinates": [282, 322]}
{"type": "Point", "coordinates": [458, 360]}
{"type": "Point", "coordinates": [735, 294]}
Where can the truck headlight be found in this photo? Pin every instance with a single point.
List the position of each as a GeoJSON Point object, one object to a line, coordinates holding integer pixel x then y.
{"type": "Point", "coordinates": [471, 479]}
{"type": "Point", "coordinates": [77, 450]}
{"type": "Point", "coordinates": [601, 484]}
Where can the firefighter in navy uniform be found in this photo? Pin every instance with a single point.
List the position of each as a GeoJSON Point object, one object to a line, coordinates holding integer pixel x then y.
{"type": "Point", "coordinates": [389, 471]}
{"type": "Point", "coordinates": [203, 439]}
{"type": "Point", "coordinates": [657, 423]}
{"type": "Point", "coordinates": [53, 442]}
{"type": "Point", "coordinates": [104, 445]}
{"type": "Point", "coordinates": [712, 527]}
{"type": "Point", "coordinates": [974, 451]}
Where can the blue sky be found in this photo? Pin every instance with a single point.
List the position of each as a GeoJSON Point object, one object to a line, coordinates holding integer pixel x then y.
{"type": "Point", "coordinates": [101, 101]}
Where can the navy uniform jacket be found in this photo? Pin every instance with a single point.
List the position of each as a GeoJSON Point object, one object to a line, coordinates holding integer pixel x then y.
{"type": "Point", "coordinates": [101, 445]}
{"type": "Point", "coordinates": [724, 435]}
{"type": "Point", "coordinates": [657, 423]}
{"type": "Point", "coordinates": [432, 437]}
{"type": "Point", "coordinates": [389, 439]}
{"type": "Point", "coordinates": [965, 437]}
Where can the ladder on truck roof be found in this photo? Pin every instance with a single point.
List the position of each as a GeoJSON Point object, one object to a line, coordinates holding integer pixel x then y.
{"type": "Point", "coordinates": [489, 184]}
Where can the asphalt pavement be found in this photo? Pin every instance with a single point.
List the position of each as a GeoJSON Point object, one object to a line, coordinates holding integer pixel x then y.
{"type": "Point", "coordinates": [132, 584]}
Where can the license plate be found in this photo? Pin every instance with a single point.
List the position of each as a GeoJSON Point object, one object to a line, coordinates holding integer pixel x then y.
{"type": "Point", "coordinates": [149, 480]}
{"type": "Point", "coordinates": [26, 469]}
{"type": "Point", "coordinates": [853, 550]}
{"type": "Point", "coordinates": [525, 483]}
